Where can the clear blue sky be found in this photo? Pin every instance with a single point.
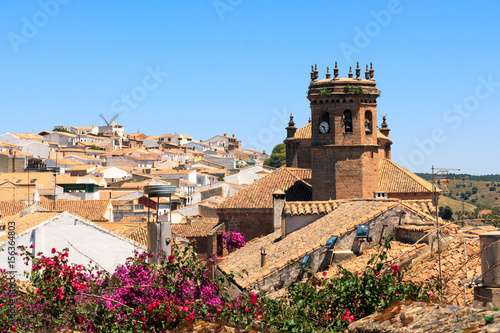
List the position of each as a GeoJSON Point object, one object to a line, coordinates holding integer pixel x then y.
{"type": "Point", "coordinates": [241, 66]}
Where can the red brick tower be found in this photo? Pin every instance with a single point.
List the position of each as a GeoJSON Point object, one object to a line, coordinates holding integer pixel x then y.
{"type": "Point", "coordinates": [344, 152]}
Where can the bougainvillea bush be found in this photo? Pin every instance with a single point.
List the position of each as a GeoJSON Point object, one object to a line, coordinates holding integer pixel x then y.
{"type": "Point", "coordinates": [329, 305]}
{"type": "Point", "coordinates": [143, 297]}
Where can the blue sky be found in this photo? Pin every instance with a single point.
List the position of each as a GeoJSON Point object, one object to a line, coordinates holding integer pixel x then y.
{"type": "Point", "coordinates": [239, 66]}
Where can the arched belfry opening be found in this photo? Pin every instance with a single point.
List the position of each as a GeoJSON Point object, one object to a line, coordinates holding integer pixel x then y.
{"type": "Point", "coordinates": [347, 121]}
{"type": "Point", "coordinates": [368, 122]}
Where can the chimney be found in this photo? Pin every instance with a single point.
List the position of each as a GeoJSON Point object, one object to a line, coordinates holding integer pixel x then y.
{"type": "Point", "coordinates": [278, 206]}
{"type": "Point", "coordinates": [263, 152]}
{"type": "Point", "coordinates": [233, 135]}
{"type": "Point", "coordinates": [262, 257]}
{"type": "Point", "coordinates": [490, 255]}
{"type": "Point", "coordinates": [225, 134]}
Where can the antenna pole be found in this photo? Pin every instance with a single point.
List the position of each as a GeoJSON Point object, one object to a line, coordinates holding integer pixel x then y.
{"type": "Point", "coordinates": [436, 172]}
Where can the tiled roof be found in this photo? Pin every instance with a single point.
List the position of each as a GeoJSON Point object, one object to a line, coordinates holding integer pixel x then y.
{"type": "Point", "coordinates": [92, 210]}
{"type": "Point", "coordinates": [81, 168]}
{"type": "Point", "coordinates": [304, 132]}
{"type": "Point", "coordinates": [195, 229]}
{"type": "Point", "coordinates": [383, 137]}
{"type": "Point", "coordinates": [29, 221]}
{"type": "Point", "coordinates": [40, 179]}
{"type": "Point", "coordinates": [423, 208]}
{"type": "Point", "coordinates": [27, 136]}
{"type": "Point", "coordinates": [259, 193]}
{"type": "Point", "coordinates": [16, 152]}
{"type": "Point", "coordinates": [17, 193]}
{"type": "Point", "coordinates": [393, 178]}
{"type": "Point", "coordinates": [282, 252]}
{"type": "Point", "coordinates": [9, 208]}
{"type": "Point", "coordinates": [310, 207]}
{"type": "Point", "coordinates": [67, 179]}
{"type": "Point", "coordinates": [135, 218]}
{"type": "Point", "coordinates": [83, 156]}
{"type": "Point", "coordinates": [400, 253]}
{"type": "Point", "coordinates": [138, 234]}
{"type": "Point", "coordinates": [453, 266]}
{"type": "Point", "coordinates": [9, 145]}
{"type": "Point", "coordinates": [66, 161]}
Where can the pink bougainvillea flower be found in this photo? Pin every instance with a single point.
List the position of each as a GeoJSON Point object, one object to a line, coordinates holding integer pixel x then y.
{"type": "Point", "coordinates": [53, 250]}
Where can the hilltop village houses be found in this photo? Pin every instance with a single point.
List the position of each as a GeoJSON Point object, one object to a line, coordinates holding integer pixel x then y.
{"type": "Point", "coordinates": [334, 200]}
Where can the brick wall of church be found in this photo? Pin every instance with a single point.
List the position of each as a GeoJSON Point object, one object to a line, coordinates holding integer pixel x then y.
{"type": "Point", "coordinates": [251, 223]}
{"type": "Point", "coordinates": [410, 196]}
{"type": "Point", "coordinates": [298, 154]}
{"type": "Point", "coordinates": [344, 172]}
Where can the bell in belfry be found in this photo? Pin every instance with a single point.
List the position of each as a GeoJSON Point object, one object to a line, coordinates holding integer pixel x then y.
{"type": "Point", "coordinates": [368, 126]}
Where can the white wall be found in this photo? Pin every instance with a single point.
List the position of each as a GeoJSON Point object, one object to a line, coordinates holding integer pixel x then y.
{"type": "Point", "coordinates": [9, 138]}
{"type": "Point", "coordinates": [113, 173]}
{"type": "Point", "coordinates": [100, 245]}
{"type": "Point", "coordinates": [39, 150]}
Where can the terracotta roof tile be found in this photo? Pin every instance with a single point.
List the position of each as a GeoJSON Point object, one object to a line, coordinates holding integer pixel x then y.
{"type": "Point", "coordinates": [134, 218]}
{"type": "Point", "coordinates": [195, 229]}
{"type": "Point", "coordinates": [383, 137]}
{"type": "Point", "coordinates": [400, 253]}
{"type": "Point", "coordinates": [29, 221]}
{"type": "Point", "coordinates": [66, 161]}
{"type": "Point", "coordinates": [259, 193]}
{"type": "Point", "coordinates": [393, 178]}
{"type": "Point", "coordinates": [16, 152]}
{"type": "Point", "coordinates": [304, 132]}
{"type": "Point", "coordinates": [455, 271]}
{"type": "Point", "coordinates": [310, 207]}
{"type": "Point", "coordinates": [92, 210]}
{"type": "Point", "coordinates": [346, 217]}
{"type": "Point", "coordinates": [9, 208]}
{"type": "Point", "coordinates": [137, 233]}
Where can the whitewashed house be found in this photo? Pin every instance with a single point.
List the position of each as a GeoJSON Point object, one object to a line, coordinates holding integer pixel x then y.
{"type": "Point", "coordinates": [86, 241]}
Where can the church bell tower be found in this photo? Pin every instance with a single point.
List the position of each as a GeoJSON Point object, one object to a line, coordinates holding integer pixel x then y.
{"type": "Point", "coordinates": [344, 152]}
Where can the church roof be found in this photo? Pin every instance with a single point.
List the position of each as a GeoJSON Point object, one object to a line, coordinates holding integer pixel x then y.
{"type": "Point", "coordinates": [383, 137]}
{"type": "Point", "coordinates": [345, 218]}
{"type": "Point", "coordinates": [311, 207]}
{"type": "Point", "coordinates": [393, 178]}
{"type": "Point", "coordinates": [304, 132]}
{"type": "Point", "coordinates": [260, 193]}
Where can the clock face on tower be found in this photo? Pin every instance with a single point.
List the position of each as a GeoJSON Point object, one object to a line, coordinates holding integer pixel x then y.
{"type": "Point", "coordinates": [324, 127]}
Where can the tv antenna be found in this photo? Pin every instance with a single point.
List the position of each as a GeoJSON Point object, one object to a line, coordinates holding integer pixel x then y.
{"type": "Point", "coordinates": [439, 180]}
{"type": "Point", "coordinates": [112, 119]}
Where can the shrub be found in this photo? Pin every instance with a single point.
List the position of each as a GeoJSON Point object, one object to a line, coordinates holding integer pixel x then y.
{"type": "Point", "coordinates": [141, 296]}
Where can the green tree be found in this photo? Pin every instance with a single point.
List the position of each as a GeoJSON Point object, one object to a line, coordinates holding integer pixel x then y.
{"type": "Point", "coordinates": [474, 190]}
{"type": "Point", "coordinates": [60, 130]}
{"type": "Point", "coordinates": [278, 156]}
{"type": "Point", "coordinates": [94, 147]}
{"type": "Point", "coordinates": [446, 213]}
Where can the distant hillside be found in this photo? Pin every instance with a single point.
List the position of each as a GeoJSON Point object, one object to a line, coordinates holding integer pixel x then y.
{"type": "Point", "coordinates": [481, 191]}
{"type": "Point", "coordinates": [463, 176]}
{"type": "Point", "coordinates": [455, 205]}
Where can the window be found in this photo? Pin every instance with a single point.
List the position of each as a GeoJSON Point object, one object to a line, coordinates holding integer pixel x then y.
{"type": "Point", "coordinates": [347, 121]}
{"type": "Point", "coordinates": [368, 122]}
{"type": "Point", "coordinates": [331, 242]}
